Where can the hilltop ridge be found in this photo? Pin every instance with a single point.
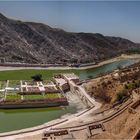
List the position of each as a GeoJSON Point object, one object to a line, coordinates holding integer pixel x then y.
{"type": "Point", "coordinates": [29, 42]}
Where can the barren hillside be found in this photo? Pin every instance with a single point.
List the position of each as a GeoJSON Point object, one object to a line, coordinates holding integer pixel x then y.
{"type": "Point", "coordinates": [114, 89]}
{"type": "Point", "coordinates": [38, 43]}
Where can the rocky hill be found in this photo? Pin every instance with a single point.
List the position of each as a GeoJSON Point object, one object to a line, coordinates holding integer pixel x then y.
{"type": "Point", "coordinates": [38, 43]}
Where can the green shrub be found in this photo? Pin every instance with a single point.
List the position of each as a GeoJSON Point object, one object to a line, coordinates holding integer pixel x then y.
{"type": "Point", "coordinates": [133, 51]}
{"type": "Point", "coordinates": [132, 85]}
{"type": "Point", "coordinates": [121, 95]}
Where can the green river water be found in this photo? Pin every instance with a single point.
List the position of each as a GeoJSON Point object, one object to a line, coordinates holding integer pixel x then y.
{"type": "Point", "coordinates": [24, 118]}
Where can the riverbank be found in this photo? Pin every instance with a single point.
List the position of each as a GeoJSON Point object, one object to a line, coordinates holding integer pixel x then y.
{"type": "Point", "coordinates": [47, 74]}
{"type": "Point", "coordinates": [122, 57]}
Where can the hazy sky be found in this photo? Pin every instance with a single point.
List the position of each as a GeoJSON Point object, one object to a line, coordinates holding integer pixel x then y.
{"type": "Point", "coordinates": [109, 18]}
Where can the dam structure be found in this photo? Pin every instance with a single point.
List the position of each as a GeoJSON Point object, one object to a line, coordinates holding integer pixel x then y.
{"type": "Point", "coordinates": [72, 81]}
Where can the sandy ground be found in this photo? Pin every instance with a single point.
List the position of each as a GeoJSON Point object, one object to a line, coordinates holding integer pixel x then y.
{"type": "Point", "coordinates": [122, 127]}
{"type": "Point", "coordinates": [123, 56]}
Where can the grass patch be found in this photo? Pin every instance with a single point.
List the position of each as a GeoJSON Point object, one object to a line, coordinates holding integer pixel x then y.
{"type": "Point", "coordinates": [47, 96]}
{"type": "Point", "coordinates": [1, 95]}
{"type": "Point", "coordinates": [13, 83]}
{"type": "Point", "coordinates": [2, 84]}
{"type": "Point", "coordinates": [26, 74]}
{"type": "Point", "coordinates": [133, 85]}
{"type": "Point", "coordinates": [13, 97]}
{"type": "Point", "coordinates": [53, 95]}
{"type": "Point", "coordinates": [31, 97]}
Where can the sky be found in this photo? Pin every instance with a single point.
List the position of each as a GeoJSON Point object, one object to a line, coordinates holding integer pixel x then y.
{"type": "Point", "coordinates": [120, 18]}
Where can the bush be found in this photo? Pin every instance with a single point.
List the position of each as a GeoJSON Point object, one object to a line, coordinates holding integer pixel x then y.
{"type": "Point", "coordinates": [121, 95]}
{"type": "Point", "coordinates": [37, 77]}
{"type": "Point", "coordinates": [132, 85]}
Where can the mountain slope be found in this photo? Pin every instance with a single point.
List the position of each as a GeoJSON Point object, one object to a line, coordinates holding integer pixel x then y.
{"type": "Point", "coordinates": [38, 43]}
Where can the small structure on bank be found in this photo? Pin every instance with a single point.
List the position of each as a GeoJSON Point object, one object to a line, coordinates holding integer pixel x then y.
{"type": "Point", "coordinates": [61, 82]}
{"type": "Point", "coordinates": [71, 77]}
{"type": "Point", "coordinates": [57, 135]}
{"type": "Point", "coordinates": [95, 129]}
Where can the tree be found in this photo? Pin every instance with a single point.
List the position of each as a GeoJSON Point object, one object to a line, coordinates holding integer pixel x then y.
{"type": "Point", "coordinates": [37, 77]}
